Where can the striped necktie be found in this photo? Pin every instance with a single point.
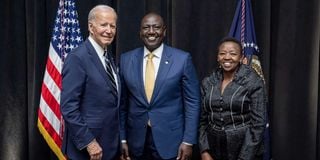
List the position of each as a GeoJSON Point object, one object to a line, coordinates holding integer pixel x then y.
{"type": "Point", "coordinates": [107, 59]}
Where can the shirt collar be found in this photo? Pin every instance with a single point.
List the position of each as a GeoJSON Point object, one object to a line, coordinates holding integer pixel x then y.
{"type": "Point", "coordinates": [157, 52]}
{"type": "Point", "coordinates": [96, 47]}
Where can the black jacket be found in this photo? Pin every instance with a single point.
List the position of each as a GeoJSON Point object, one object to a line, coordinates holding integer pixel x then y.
{"type": "Point", "coordinates": [239, 114]}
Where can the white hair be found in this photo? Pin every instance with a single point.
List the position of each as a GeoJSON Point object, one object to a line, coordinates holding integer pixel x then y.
{"type": "Point", "coordinates": [93, 11]}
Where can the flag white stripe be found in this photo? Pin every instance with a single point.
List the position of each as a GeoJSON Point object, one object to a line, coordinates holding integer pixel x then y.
{"type": "Point", "coordinates": [55, 58]}
{"type": "Point", "coordinates": [49, 115]}
{"type": "Point", "coordinates": [52, 86]}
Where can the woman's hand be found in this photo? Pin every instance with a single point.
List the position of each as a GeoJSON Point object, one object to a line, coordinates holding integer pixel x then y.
{"type": "Point", "coordinates": [206, 156]}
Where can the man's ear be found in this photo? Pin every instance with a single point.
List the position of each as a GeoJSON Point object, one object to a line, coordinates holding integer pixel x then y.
{"type": "Point", "coordinates": [90, 26]}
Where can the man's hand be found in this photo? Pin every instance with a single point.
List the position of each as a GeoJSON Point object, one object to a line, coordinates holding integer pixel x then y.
{"type": "Point", "coordinates": [94, 150]}
{"type": "Point", "coordinates": [185, 152]}
{"type": "Point", "coordinates": [206, 156]}
{"type": "Point", "coordinates": [125, 152]}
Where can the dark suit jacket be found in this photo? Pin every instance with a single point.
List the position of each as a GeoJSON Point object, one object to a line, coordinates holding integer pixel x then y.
{"type": "Point", "coordinates": [88, 104]}
{"type": "Point", "coordinates": [174, 108]}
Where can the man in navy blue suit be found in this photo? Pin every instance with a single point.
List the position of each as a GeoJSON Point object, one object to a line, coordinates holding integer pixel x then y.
{"type": "Point", "coordinates": [90, 96]}
{"type": "Point", "coordinates": [161, 121]}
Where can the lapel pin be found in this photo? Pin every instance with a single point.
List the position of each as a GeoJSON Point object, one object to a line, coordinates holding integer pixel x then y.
{"type": "Point", "coordinates": [166, 62]}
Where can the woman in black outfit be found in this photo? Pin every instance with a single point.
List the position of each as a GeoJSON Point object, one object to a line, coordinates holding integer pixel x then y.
{"type": "Point", "coordinates": [233, 114]}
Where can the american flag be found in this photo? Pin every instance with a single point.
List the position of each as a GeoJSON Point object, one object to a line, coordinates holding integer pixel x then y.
{"type": "Point", "coordinates": [65, 37]}
{"type": "Point", "coordinates": [243, 29]}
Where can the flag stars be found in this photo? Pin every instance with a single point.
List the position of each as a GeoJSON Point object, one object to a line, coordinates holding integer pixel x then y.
{"type": "Point", "coordinates": [66, 32]}
{"type": "Point", "coordinates": [59, 11]}
{"type": "Point", "coordinates": [62, 29]}
{"type": "Point", "coordinates": [57, 20]}
{"type": "Point", "coordinates": [70, 3]}
{"type": "Point", "coordinates": [64, 55]}
{"type": "Point", "coordinates": [59, 46]}
{"type": "Point", "coordinates": [65, 12]}
{"type": "Point", "coordinates": [56, 29]}
{"type": "Point", "coordinates": [73, 21]}
{"type": "Point", "coordinates": [61, 37]}
{"type": "Point", "coordinates": [67, 46]}
{"type": "Point", "coordinates": [251, 45]}
{"type": "Point", "coordinates": [65, 20]}
{"type": "Point", "coordinates": [71, 47]}
{"type": "Point", "coordinates": [78, 39]}
{"type": "Point", "coordinates": [54, 37]}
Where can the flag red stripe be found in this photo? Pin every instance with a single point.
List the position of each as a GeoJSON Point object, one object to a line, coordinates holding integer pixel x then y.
{"type": "Point", "coordinates": [55, 136]}
{"type": "Point", "coordinates": [51, 101]}
{"type": "Point", "coordinates": [54, 73]}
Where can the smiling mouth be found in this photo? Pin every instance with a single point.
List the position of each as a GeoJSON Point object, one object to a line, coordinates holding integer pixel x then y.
{"type": "Point", "coordinates": [227, 64]}
{"type": "Point", "coordinates": [151, 38]}
{"type": "Point", "coordinates": [108, 38]}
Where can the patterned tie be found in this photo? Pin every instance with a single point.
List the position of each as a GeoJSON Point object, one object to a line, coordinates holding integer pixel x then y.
{"type": "Point", "coordinates": [107, 60]}
{"type": "Point", "coordinates": [149, 77]}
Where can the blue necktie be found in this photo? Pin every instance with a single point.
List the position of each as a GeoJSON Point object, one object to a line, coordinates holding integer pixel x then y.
{"type": "Point", "coordinates": [108, 62]}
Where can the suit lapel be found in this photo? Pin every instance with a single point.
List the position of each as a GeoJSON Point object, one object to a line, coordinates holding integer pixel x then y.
{"type": "Point", "coordinates": [164, 67]}
{"type": "Point", "coordinates": [137, 62]}
{"type": "Point", "coordinates": [97, 62]}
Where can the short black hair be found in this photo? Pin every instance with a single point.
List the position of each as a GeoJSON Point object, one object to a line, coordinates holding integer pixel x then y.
{"type": "Point", "coordinates": [230, 39]}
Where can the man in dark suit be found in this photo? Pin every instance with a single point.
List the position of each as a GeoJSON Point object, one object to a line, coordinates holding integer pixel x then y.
{"type": "Point", "coordinates": [90, 96]}
{"type": "Point", "coordinates": [159, 111]}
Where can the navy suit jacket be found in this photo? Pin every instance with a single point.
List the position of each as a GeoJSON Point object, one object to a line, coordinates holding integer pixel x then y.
{"type": "Point", "coordinates": [89, 106]}
{"type": "Point", "coordinates": [174, 108]}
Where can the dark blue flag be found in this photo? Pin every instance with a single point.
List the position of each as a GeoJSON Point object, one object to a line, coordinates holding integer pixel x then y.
{"type": "Point", "coordinates": [243, 29]}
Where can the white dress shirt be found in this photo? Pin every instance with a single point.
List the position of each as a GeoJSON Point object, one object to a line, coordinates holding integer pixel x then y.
{"type": "Point", "coordinates": [100, 52]}
{"type": "Point", "coordinates": [156, 60]}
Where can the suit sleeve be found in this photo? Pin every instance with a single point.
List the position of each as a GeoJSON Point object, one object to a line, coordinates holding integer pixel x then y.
{"type": "Point", "coordinates": [123, 103]}
{"type": "Point", "coordinates": [73, 83]}
{"type": "Point", "coordinates": [191, 93]}
{"type": "Point", "coordinates": [254, 134]}
{"type": "Point", "coordinates": [203, 138]}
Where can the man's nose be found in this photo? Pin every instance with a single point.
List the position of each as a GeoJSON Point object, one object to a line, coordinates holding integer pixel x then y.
{"type": "Point", "coordinates": [108, 29]}
{"type": "Point", "coordinates": [151, 30]}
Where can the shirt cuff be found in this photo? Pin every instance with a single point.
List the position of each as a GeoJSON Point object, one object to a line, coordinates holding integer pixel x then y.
{"type": "Point", "coordinates": [94, 140]}
{"type": "Point", "coordinates": [188, 144]}
{"type": "Point", "coordinates": [123, 141]}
